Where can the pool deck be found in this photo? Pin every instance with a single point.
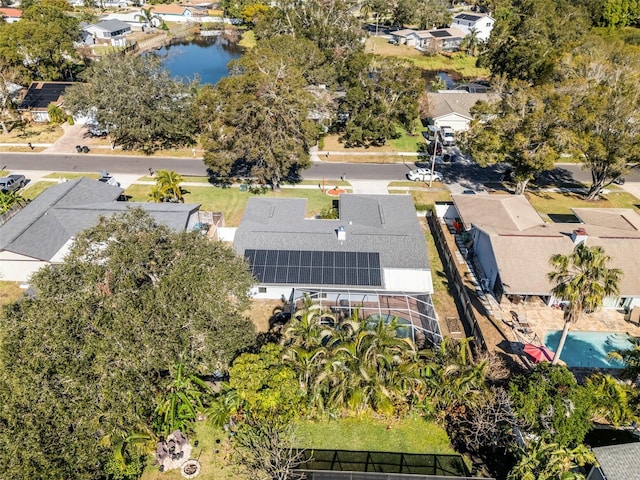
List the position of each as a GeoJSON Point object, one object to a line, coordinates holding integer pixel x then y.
{"type": "Point", "coordinates": [542, 319]}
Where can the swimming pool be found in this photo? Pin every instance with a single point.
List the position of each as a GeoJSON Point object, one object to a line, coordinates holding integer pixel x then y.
{"type": "Point", "coordinates": [589, 349]}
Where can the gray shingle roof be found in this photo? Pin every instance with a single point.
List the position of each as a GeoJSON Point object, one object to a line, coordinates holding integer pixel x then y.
{"type": "Point", "coordinates": [113, 25]}
{"type": "Point", "coordinates": [43, 227]}
{"type": "Point", "coordinates": [619, 462]}
{"type": "Point", "coordinates": [386, 224]}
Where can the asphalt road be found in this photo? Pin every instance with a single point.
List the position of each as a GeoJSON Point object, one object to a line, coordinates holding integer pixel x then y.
{"type": "Point", "coordinates": [462, 173]}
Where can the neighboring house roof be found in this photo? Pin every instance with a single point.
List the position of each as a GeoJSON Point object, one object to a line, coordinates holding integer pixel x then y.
{"type": "Point", "coordinates": [404, 33]}
{"type": "Point", "coordinates": [619, 462]}
{"type": "Point", "coordinates": [384, 225]}
{"type": "Point", "coordinates": [112, 25]}
{"type": "Point", "coordinates": [169, 9]}
{"type": "Point", "coordinates": [454, 101]}
{"type": "Point", "coordinates": [11, 12]}
{"type": "Point", "coordinates": [522, 242]}
{"type": "Point", "coordinates": [444, 33]}
{"type": "Point", "coordinates": [41, 94]}
{"type": "Point", "coordinates": [55, 216]}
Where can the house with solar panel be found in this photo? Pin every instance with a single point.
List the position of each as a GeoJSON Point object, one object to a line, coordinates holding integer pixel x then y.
{"type": "Point", "coordinates": [35, 104]}
{"type": "Point", "coordinates": [372, 260]}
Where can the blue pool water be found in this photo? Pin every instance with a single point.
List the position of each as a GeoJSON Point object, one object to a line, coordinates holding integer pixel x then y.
{"type": "Point", "coordinates": [589, 349]}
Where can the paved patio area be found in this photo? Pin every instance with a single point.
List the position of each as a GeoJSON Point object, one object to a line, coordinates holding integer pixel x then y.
{"type": "Point", "coordinates": [542, 319]}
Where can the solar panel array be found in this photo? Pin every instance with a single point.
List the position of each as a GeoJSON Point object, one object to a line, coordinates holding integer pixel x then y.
{"type": "Point", "coordinates": [315, 268]}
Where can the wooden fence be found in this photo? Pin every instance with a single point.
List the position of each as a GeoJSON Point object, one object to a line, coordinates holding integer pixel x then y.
{"type": "Point", "coordinates": [468, 315]}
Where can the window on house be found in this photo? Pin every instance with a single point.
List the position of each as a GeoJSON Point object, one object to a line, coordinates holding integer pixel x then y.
{"type": "Point", "coordinates": [262, 289]}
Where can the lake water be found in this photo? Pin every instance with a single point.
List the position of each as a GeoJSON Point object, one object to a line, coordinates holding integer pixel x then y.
{"type": "Point", "coordinates": [206, 57]}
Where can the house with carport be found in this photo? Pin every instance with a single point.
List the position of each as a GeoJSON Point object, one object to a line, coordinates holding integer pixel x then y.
{"type": "Point", "coordinates": [43, 231]}
{"type": "Point", "coordinates": [371, 260]}
{"type": "Point", "coordinates": [512, 244]}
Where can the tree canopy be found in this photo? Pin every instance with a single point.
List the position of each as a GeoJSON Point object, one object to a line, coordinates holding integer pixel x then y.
{"type": "Point", "coordinates": [521, 128]}
{"type": "Point", "coordinates": [260, 125]}
{"type": "Point", "coordinates": [381, 94]}
{"type": "Point", "coordinates": [603, 81]}
{"type": "Point", "coordinates": [137, 101]}
{"type": "Point", "coordinates": [529, 37]}
{"type": "Point", "coordinates": [41, 44]}
{"type": "Point", "coordinates": [85, 361]}
{"type": "Point", "coordinates": [552, 405]}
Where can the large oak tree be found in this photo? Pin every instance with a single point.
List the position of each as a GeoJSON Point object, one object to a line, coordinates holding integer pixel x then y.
{"type": "Point", "coordinates": [137, 101]}
{"type": "Point", "coordinates": [520, 128]}
{"type": "Point", "coordinates": [601, 128]}
{"type": "Point", "coordinates": [83, 363]}
{"type": "Point", "coordinates": [260, 118]}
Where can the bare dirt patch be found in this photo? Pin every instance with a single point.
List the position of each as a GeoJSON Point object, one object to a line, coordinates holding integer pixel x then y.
{"type": "Point", "coordinates": [261, 311]}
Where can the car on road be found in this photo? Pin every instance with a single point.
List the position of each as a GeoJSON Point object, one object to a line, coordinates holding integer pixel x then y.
{"type": "Point", "coordinates": [423, 175]}
{"type": "Point", "coordinates": [98, 132]}
{"type": "Point", "coordinates": [12, 183]}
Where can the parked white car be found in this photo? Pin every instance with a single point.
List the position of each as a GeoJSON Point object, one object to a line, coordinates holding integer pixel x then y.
{"type": "Point", "coordinates": [423, 175]}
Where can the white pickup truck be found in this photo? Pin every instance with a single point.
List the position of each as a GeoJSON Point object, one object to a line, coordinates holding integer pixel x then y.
{"type": "Point", "coordinates": [12, 183]}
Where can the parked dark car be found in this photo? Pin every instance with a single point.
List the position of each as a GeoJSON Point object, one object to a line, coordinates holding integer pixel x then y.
{"type": "Point", "coordinates": [432, 145]}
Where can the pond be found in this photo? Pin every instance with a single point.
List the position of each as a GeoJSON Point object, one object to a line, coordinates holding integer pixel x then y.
{"type": "Point", "coordinates": [206, 57]}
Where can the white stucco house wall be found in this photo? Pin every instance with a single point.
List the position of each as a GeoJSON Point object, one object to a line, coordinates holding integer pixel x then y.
{"type": "Point", "coordinates": [480, 22]}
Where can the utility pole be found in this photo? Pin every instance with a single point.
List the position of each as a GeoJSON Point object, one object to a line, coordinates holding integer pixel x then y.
{"type": "Point", "coordinates": [433, 159]}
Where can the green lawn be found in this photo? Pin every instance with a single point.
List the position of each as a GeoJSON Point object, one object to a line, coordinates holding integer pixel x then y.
{"type": "Point", "coordinates": [212, 453]}
{"type": "Point", "coordinates": [459, 64]}
{"type": "Point", "coordinates": [561, 203]}
{"type": "Point", "coordinates": [33, 190]}
{"type": "Point", "coordinates": [408, 142]}
{"type": "Point", "coordinates": [423, 199]}
{"type": "Point", "coordinates": [407, 435]}
{"type": "Point", "coordinates": [232, 202]}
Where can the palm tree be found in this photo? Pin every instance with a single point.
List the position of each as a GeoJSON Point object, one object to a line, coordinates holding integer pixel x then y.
{"type": "Point", "coordinates": [631, 359]}
{"type": "Point", "coordinates": [147, 16]}
{"type": "Point", "coordinates": [168, 185]}
{"type": "Point", "coordinates": [549, 461]}
{"type": "Point", "coordinates": [471, 42]}
{"type": "Point", "coordinates": [10, 199]}
{"type": "Point", "coordinates": [181, 403]}
{"type": "Point", "coordinates": [584, 280]}
{"type": "Point", "coordinates": [611, 400]}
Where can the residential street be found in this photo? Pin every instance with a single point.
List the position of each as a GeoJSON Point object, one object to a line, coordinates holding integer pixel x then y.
{"type": "Point", "coordinates": [467, 175]}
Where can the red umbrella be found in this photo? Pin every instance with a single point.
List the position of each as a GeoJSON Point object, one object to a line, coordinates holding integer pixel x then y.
{"type": "Point", "coordinates": [539, 353]}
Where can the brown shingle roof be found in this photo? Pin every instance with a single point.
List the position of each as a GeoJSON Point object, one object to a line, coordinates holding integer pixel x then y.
{"type": "Point", "coordinates": [454, 101]}
{"type": "Point", "coordinates": [522, 243]}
